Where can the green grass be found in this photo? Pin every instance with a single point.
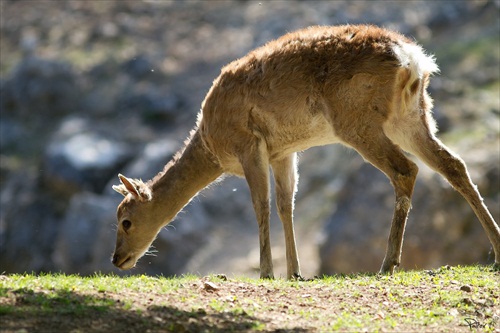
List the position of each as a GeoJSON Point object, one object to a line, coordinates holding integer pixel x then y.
{"type": "Point", "coordinates": [458, 299]}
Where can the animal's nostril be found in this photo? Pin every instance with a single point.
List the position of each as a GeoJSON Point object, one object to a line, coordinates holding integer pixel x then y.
{"type": "Point", "coordinates": [115, 259]}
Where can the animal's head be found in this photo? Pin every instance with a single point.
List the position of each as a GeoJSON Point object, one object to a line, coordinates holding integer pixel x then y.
{"type": "Point", "coordinates": [138, 223]}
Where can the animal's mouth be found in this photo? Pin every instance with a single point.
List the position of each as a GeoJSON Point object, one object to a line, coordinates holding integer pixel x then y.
{"type": "Point", "coordinates": [126, 263]}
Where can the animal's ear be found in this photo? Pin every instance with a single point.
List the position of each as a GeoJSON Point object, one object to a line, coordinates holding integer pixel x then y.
{"type": "Point", "coordinates": [129, 186]}
{"type": "Point", "coordinates": [133, 186]}
{"type": "Point", "coordinates": [121, 189]}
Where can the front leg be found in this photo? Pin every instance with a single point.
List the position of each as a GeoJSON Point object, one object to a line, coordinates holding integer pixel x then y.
{"type": "Point", "coordinates": [285, 176]}
{"type": "Point", "coordinates": [266, 260]}
{"type": "Point", "coordinates": [256, 169]}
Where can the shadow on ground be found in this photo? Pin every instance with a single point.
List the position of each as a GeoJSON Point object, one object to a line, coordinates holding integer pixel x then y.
{"type": "Point", "coordinates": [69, 311]}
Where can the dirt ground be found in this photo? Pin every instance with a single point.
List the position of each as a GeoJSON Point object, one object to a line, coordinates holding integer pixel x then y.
{"type": "Point", "coordinates": [221, 304]}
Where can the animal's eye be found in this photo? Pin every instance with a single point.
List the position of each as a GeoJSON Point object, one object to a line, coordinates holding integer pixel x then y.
{"type": "Point", "coordinates": [126, 224]}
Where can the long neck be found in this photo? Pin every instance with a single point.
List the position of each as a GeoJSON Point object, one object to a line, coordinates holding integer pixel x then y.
{"type": "Point", "coordinates": [184, 178]}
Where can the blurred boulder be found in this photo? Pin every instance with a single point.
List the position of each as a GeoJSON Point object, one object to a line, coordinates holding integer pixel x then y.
{"type": "Point", "coordinates": [141, 67]}
{"type": "Point", "coordinates": [150, 161]}
{"type": "Point", "coordinates": [85, 161]}
{"type": "Point", "coordinates": [29, 223]}
{"type": "Point", "coordinates": [39, 90]}
{"type": "Point", "coordinates": [11, 134]}
{"type": "Point", "coordinates": [86, 237]}
{"type": "Point", "coordinates": [154, 105]}
{"type": "Point", "coordinates": [355, 234]}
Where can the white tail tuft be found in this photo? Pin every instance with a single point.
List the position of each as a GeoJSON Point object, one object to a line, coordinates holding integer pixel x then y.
{"type": "Point", "coordinates": [412, 56]}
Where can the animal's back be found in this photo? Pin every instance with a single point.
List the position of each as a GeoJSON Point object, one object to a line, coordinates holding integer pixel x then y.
{"type": "Point", "coordinates": [304, 89]}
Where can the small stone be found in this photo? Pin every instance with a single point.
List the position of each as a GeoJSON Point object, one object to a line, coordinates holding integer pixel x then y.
{"type": "Point", "coordinates": [466, 288]}
{"type": "Point", "coordinates": [223, 277]}
{"type": "Point", "coordinates": [209, 286]}
{"type": "Point", "coordinates": [467, 301]}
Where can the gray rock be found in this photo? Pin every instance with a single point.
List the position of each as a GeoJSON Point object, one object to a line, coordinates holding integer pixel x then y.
{"type": "Point", "coordinates": [150, 161]}
{"type": "Point", "coordinates": [39, 89]}
{"type": "Point", "coordinates": [86, 238]}
{"type": "Point", "coordinates": [154, 105]}
{"type": "Point", "coordinates": [85, 161]}
{"type": "Point", "coordinates": [140, 67]}
{"type": "Point", "coordinates": [29, 223]}
{"type": "Point", "coordinates": [355, 233]}
{"type": "Point", "coordinates": [11, 133]}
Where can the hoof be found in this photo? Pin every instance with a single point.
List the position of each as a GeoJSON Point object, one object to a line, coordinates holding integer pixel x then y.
{"type": "Point", "coordinates": [387, 271]}
{"type": "Point", "coordinates": [297, 277]}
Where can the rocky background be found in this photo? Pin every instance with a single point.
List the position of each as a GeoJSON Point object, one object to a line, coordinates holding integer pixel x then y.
{"type": "Point", "coordinates": [93, 88]}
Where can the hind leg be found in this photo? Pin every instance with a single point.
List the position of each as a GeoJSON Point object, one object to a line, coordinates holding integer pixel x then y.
{"type": "Point", "coordinates": [285, 176]}
{"type": "Point", "coordinates": [439, 157]}
{"type": "Point", "coordinates": [377, 149]}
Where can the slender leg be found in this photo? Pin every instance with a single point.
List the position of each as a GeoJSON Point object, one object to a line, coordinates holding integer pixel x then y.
{"type": "Point", "coordinates": [256, 169]}
{"type": "Point", "coordinates": [285, 176]}
{"type": "Point", "coordinates": [387, 157]}
{"type": "Point", "coordinates": [437, 156]}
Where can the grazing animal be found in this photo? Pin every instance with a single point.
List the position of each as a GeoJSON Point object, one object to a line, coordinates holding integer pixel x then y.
{"type": "Point", "coordinates": [358, 85]}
